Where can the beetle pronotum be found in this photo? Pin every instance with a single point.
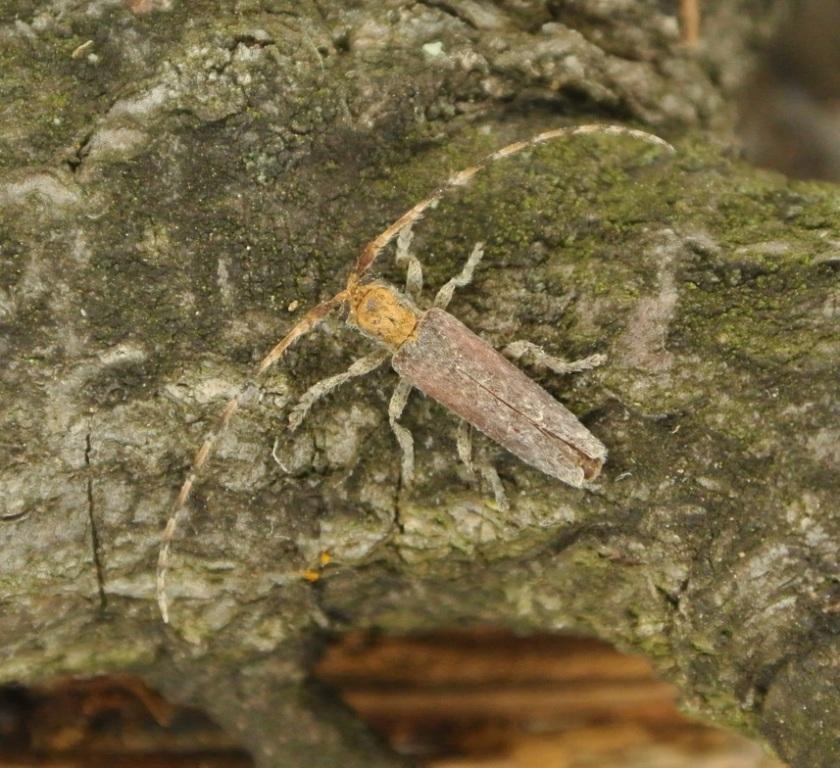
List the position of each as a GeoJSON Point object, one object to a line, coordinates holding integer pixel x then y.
{"type": "Point", "coordinates": [438, 355]}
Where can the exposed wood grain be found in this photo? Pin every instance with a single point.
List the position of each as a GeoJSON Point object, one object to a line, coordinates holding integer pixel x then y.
{"type": "Point", "coordinates": [486, 699]}
{"type": "Point", "coordinates": [480, 699]}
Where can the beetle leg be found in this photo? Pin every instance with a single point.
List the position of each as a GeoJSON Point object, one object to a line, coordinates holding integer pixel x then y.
{"type": "Point", "coordinates": [404, 438]}
{"type": "Point", "coordinates": [491, 477]}
{"type": "Point", "coordinates": [362, 366]}
{"type": "Point", "coordinates": [463, 443]}
{"type": "Point", "coordinates": [444, 295]}
{"type": "Point", "coordinates": [414, 270]}
{"type": "Point", "coordinates": [533, 355]}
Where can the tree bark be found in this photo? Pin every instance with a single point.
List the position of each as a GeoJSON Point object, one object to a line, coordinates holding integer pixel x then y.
{"type": "Point", "coordinates": [179, 183]}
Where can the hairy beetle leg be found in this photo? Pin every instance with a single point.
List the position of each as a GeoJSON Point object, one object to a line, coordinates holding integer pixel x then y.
{"type": "Point", "coordinates": [462, 279]}
{"type": "Point", "coordinates": [533, 355]}
{"type": "Point", "coordinates": [482, 467]}
{"type": "Point", "coordinates": [414, 270]}
{"type": "Point", "coordinates": [361, 367]}
{"type": "Point", "coordinates": [404, 438]}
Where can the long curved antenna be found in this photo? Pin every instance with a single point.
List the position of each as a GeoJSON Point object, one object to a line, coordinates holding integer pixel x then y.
{"type": "Point", "coordinates": [309, 321]}
{"type": "Point", "coordinates": [462, 178]}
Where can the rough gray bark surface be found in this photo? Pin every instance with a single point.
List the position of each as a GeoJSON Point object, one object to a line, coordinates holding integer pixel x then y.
{"type": "Point", "coordinates": [176, 177]}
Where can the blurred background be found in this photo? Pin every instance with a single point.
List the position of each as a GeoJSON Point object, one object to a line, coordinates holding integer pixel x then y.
{"type": "Point", "coordinates": [472, 699]}
{"type": "Point", "coordinates": [789, 113]}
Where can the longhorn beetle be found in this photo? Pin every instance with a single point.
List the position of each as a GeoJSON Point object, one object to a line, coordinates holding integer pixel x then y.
{"type": "Point", "coordinates": [440, 356]}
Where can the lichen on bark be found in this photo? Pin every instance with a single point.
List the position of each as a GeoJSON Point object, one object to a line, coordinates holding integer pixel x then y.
{"type": "Point", "coordinates": [170, 192]}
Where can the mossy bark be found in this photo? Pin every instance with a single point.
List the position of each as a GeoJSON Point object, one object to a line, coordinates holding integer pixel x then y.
{"type": "Point", "coordinates": [178, 182]}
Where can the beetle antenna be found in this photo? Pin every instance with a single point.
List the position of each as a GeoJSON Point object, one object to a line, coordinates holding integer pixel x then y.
{"type": "Point", "coordinates": [307, 323]}
{"type": "Point", "coordinates": [462, 178]}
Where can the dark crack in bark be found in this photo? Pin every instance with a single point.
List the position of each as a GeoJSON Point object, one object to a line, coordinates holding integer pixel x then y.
{"type": "Point", "coordinates": [79, 153]}
{"type": "Point", "coordinates": [96, 549]}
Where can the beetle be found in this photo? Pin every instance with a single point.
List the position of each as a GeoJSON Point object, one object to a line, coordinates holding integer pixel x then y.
{"type": "Point", "coordinates": [437, 354]}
